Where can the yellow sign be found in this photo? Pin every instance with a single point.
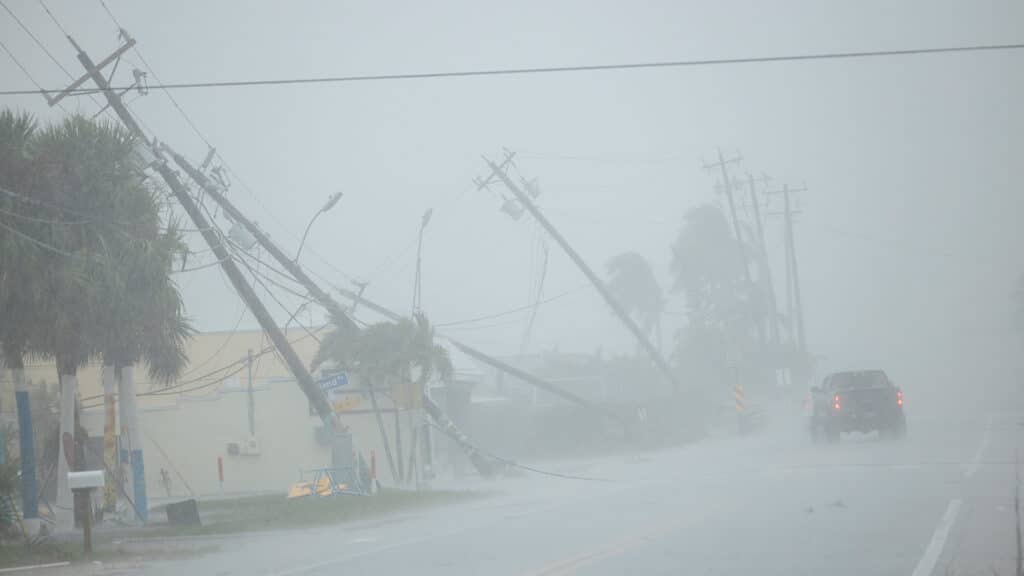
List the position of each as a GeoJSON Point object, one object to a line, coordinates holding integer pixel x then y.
{"type": "Point", "coordinates": [345, 404]}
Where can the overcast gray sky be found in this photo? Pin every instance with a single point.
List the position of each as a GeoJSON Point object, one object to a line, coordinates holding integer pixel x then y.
{"type": "Point", "coordinates": [908, 241]}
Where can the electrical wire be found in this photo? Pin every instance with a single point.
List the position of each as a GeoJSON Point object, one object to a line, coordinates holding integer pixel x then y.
{"type": "Point", "coordinates": [233, 173]}
{"type": "Point", "coordinates": [156, 77]}
{"type": "Point", "coordinates": [35, 38]}
{"type": "Point", "coordinates": [223, 345]}
{"type": "Point", "coordinates": [514, 464]}
{"type": "Point", "coordinates": [43, 47]}
{"type": "Point", "coordinates": [216, 373]}
{"type": "Point", "coordinates": [54, 18]}
{"type": "Point", "coordinates": [559, 69]}
{"type": "Point", "coordinates": [256, 278]}
{"type": "Point", "coordinates": [36, 219]}
{"type": "Point", "coordinates": [28, 75]}
{"type": "Point", "coordinates": [199, 267]}
{"type": "Point", "coordinates": [511, 311]}
{"type": "Point", "coordinates": [39, 243]}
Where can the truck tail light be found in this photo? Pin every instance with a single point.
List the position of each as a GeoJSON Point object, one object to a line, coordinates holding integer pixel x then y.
{"type": "Point", "coordinates": [835, 402]}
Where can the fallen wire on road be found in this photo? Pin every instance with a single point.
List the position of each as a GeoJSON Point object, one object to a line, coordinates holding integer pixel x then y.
{"type": "Point", "coordinates": [514, 464]}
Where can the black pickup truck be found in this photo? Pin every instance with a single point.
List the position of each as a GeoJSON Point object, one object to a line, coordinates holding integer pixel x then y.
{"type": "Point", "coordinates": [860, 401]}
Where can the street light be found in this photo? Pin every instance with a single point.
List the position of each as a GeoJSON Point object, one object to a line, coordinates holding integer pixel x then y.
{"type": "Point", "coordinates": [331, 201]}
{"type": "Point", "coordinates": [419, 251]}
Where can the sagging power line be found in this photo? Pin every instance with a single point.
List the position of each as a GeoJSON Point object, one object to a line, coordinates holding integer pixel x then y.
{"type": "Point", "coordinates": [537, 70]}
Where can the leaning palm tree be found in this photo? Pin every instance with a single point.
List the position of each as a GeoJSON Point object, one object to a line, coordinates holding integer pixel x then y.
{"type": "Point", "coordinates": [400, 355]}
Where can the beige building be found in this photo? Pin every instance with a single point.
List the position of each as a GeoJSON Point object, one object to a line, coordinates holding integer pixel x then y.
{"type": "Point", "coordinates": [189, 425]}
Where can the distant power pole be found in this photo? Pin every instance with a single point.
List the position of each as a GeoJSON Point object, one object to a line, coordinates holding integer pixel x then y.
{"type": "Point", "coordinates": [727, 188]}
{"type": "Point", "coordinates": [526, 203]}
{"type": "Point", "coordinates": [793, 283]}
{"type": "Point", "coordinates": [755, 203]}
{"type": "Point", "coordinates": [250, 396]}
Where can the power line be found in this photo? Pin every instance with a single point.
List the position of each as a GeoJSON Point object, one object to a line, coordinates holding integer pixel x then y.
{"type": "Point", "coordinates": [36, 38]}
{"type": "Point", "coordinates": [510, 311]}
{"type": "Point", "coordinates": [198, 268]}
{"type": "Point", "coordinates": [188, 119]}
{"type": "Point", "coordinates": [36, 219]}
{"type": "Point", "coordinates": [54, 18]}
{"type": "Point", "coordinates": [39, 243]}
{"type": "Point", "coordinates": [553, 69]}
{"type": "Point", "coordinates": [156, 77]}
{"type": "Point", "coordinates": [231, 335]}
{"type": "Point", "coordinates": [43, 47]}
{"type": "Point", "coordinates": [27, 73]}
{"type": "Point", "coordinates": [216, 373]}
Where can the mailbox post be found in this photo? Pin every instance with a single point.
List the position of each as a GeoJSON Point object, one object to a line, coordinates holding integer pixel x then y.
{"type": "Point", "coordinates": [84, 483]}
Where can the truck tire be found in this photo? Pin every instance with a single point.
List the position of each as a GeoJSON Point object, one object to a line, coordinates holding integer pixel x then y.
{"type": "Point", "coordinates": [901, 427]}
{"type": "Point", "coordinates": [832, 434]}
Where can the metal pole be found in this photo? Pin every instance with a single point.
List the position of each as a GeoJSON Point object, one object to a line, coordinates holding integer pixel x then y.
{"type": "Point", "coordinates": [617, 308]}
{"type": "Point", "coordinates": [252, 399]}
{"type": "Point", "coordinates": [727, 187]}
{"type": "Point", "coordinates": [306, 233]}
{"type": "Point", "coordinates": [773, 321]}
{"type": "Point", "coordinates": [323, 298]}
{"type": "Point", "coordinates": [802, 336]}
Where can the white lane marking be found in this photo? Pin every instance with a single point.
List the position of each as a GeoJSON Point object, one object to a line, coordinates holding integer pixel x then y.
{"type": "Point", "coordinates": [971, 468]}
{"type": "Point", "coordinates": [926, 564]}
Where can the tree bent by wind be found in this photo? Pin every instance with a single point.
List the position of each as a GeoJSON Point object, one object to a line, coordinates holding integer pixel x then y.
{"type": "Point", "coordinates": [390, 353]}
{"type": "Point", "coordinates": [86, 250]}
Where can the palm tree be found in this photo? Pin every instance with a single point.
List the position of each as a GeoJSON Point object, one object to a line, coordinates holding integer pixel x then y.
{"type": "Point", "coordinates": [398, 355]}
{"type": "Point", "coordinates": [141, 318]}
{"type": "Point", "coordinates": [632, 283]}
{"type": "Point", "coordinates": [707, 265]}
{"type": "Point", "coordinates": [19, 300]}
{"type": "Point", "coordinates": [110, 289]}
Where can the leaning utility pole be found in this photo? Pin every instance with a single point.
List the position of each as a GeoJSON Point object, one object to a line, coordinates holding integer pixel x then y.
{"type": "Point", "coordinates": [727, 189]}
{"type": "Point", "coordinates": [289, 264]}
{"type": "Point", "coordinates": [797, 315]}
{"type": "Point", "coordinates": [773, 322]}
{"type": "Point", "coordinates": [526, 202]}
{"type": "Point", "coordinates": [234, 274]}
{"type": "Point", "coordinates": [477, 458]}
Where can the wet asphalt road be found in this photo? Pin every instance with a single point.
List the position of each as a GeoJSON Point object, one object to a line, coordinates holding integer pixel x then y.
{"type": "Point", "coordinates": [937, 502]}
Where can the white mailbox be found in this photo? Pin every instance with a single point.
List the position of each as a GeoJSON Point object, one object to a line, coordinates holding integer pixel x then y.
{"type": "Point", "coordinates": [85, 480]}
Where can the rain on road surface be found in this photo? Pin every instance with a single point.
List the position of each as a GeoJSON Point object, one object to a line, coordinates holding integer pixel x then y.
{"type": "Point", "coordinates": [768, 504]}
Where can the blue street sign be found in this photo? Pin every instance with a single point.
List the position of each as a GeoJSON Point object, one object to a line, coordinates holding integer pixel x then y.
{"type": "Point", "coordinates": [333, 381]}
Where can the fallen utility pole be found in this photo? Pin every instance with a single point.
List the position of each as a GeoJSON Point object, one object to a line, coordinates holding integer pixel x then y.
{"type": "Point", "coordinates": [526, 202]}
{"type": "Point", "coordinates": [234, 274]}
{"type": "Point", "coordinates": [338, 314]}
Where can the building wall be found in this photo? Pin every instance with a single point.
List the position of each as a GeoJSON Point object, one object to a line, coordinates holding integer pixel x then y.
{"type": "Point", "coordinates": [187, 424]}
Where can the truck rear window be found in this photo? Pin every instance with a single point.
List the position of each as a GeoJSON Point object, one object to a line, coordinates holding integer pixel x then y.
{"type": "Point", "coordinates": [854, 380]}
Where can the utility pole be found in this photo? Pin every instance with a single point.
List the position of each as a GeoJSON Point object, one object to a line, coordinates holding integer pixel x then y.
{"type": "Point", "coordinates": [251, 397]}
{"type": "Point", "coordinates": [333, 308]}
{"type": "Point", "coordinates": [797, 314]}
{"type": "Point", "coordinates": [478, 459]}
{"type": "Point", "coordinates": [231, 270]}
{"type": "Point", "coordinates": [526, 202]}
{"type": "Point", "coordinates": [727, 186]}
{"type": "Point", "coordinates": [773, 303]}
